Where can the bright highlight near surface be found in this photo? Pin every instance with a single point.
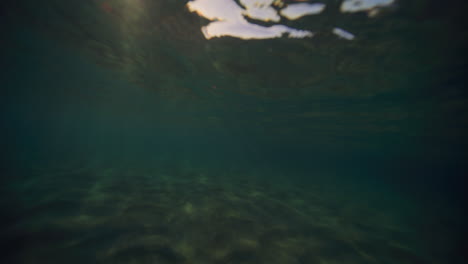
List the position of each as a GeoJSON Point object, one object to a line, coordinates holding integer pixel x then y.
{"type": "Point", "coordinates": [372, 7]}
{"type": "Point", "coordinates": [296, 11]}
{"type": "Point", "coordinates": [251, 31]}
{"type": "Point", "coordinates": [228, 18]}
{"type": "Point", "coordinates": [343, 33]}
{"type": "Point", "coordinates": [260, 10]}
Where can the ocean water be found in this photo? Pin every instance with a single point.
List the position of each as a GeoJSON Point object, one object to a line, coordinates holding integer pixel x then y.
{"type": "Point", "coordinates": [138, 131]}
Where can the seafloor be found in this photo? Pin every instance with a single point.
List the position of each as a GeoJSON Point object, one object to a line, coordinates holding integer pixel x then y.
{"type": "Point", "coordinates": [115, 215]}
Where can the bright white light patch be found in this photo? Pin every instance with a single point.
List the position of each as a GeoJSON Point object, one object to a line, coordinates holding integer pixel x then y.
{"type": "Point", "coordinates": [228, 19]}
{"type": "Point", "coordinates": [216, 9]}
{"type": "Point", "coordinates": [264, 14]}
{"type": "Point", "coordinates": [256, 3]}
{"type": "Point", "coordinates": [372, 6]}
{"type": "Point", "coordinates": [295, 11]}
{"type": "Point", "coordinates": [251, 31]}
{"type": "Point", "coordinates": [260, 10]}
{"type": "Point", "coordinates": [343, 33]}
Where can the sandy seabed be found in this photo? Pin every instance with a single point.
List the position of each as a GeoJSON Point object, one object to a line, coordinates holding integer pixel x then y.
{"type": "Point", "coordinates": [131, 216]}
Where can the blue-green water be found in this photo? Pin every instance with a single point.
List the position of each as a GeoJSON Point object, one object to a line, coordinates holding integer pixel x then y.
{"type": "Point", "coordinates": [128, 137]}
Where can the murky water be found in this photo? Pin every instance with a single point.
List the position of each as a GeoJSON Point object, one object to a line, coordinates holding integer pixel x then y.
{"type": "Point", "coordinates": [228, 131]}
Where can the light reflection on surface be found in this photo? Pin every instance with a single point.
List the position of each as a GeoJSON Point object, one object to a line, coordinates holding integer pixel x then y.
{"type": "Point", "coordinates": [371, 6]}
{"type": "Point", "coordinates": [251, 31]}
{"type": "Point", "coordinates": [226, 10]}
{"type": "Point", "coordinates": [260, 10]}
{"type": "Point", "coordinates": [295, 11]}
{"type": "Point", "coordinates": [228, 18]}
{"type": "Point", "coordinates": [343, 33]}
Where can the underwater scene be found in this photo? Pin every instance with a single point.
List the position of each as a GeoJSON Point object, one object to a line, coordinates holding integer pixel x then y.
{"type": "Point", "coordinates": [233, 132]}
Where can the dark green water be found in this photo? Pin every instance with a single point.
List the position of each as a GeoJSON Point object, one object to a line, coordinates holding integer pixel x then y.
{"type": "Point", "coordinates": [127, 137]}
